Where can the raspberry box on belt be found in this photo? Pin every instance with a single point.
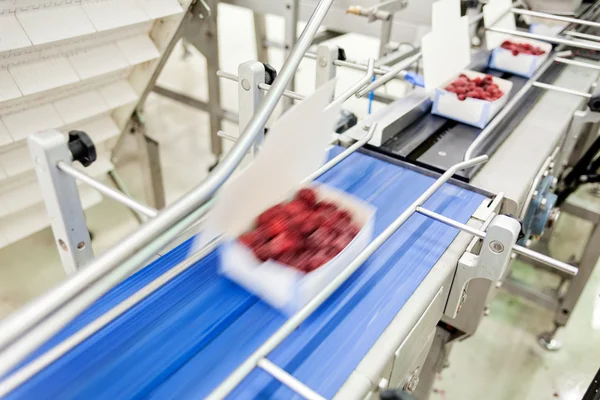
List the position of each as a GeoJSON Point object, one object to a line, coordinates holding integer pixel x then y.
{"type": "Point", "coordinates": [287, 288]}
{"type": "Point", "coordinates": [521, 64]}
{"type": "Point", "coordinates": [470, 111]}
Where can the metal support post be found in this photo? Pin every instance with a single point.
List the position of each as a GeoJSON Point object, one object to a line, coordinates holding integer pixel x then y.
{"type": "Point", "coordinates": [291, 35]}
{"type": "Point", "coordinates": [577, 284]}
{"type": "Point", "coordinates": [260, 35]}
{"type": "Point", "coordinates": [149, 152]}
{"type": "Point", "coordinates": [62, 199]}
{"type": "Point", "coordinates": [202, 33]}
{"type": "Point", "coordinates": [250, 75]}
{"type": "Point", "coordinates": [384, 37]}
{"type": "Point", "coordinates": [490, 264]}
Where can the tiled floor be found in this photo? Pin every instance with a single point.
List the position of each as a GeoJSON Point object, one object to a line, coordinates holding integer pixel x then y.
{"type": "Point", "coordinates": [502, 361]}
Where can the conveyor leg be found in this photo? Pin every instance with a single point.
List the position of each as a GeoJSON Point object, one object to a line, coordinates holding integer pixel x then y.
{"type": "Point", "coordinates": [586, 267]}
{"type": "Point", "coordinates": [149, 152]}
{"type": "Point", "coordinates": [549, 342]}
{"type": "Point", "coordinates": [202, 33]}
{"type": "Point", "coordinates": [260, 34]}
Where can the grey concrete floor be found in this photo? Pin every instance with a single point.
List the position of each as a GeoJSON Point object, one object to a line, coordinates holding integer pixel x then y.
{"type": "Point", "coordinates": [502, 360]}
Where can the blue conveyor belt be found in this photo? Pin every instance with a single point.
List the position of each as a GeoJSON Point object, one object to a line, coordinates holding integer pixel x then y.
{"type": "Point", "coordinates": [187, 337]}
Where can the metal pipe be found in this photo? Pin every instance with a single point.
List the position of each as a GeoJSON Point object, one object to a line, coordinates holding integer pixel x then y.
{"type": "Point", "coordinates": [551, 39]}
{"type": "Point", "coordinates": [582, 35]}
{"type": "Point", "coordinates": [524, 251]}
{"type": "Point", "coordinates": [293, 322]}
{"type": "Point", "coordinates": [107, 191]}
{"type": "Point", "coordinates": [356, 87]}
{"type": "Point", "coordinates": [51, 312]}
{"type": "Point", "coordinates": [340, 157]}
{"type": "Point", "coordinates": [544, 259]}
{"type": "Point", "coordinates": [555, 17]}
{"type": "Point", "coordinates": [547, 86]}
{"type": "Point", "coordinates": [288, 380]}
{"type": "Point", "coordinates": [576, 63]}
{"type": "Point", "coordinates": [398, 69]}
{"type": "Point", "coordinates": [507, 109]}
{"type": "Point", "coordinates": [227, 136]}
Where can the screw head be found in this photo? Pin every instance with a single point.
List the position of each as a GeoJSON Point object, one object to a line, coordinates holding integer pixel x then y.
{"type": "Point", "coordinates": [496, 246]}
{"type": "Point", "coordinates": [322, 62]}
{"type": "Point", "coordinates": [245, 84]}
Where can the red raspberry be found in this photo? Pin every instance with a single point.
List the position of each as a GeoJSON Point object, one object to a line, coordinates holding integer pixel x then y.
{"type": "Point", "coordinates": [462, 97]}
{"type": "Point", "coordinates": [283, 243]}
{"type": "Point", "coordinates": [353, 230]}
{"type": "Point", "coordinates": [254, 238]}
{"type": "Point", "coordinates": [307, 195]}
{"type": "Point", "coordinates": [275, 211]}
{"type": "Point", "coordinates": [311, 223]}
{"type": "Point", "coordinates": [276, 226]}
{"type": "Point", "coordinates": [320, 238]}
{"type": "Point", "coordinates": [295, 207]}
{"type": "Point", "coordinates": [326, 206]}
{"type": "Point", "coordinates": [263, 253]}
{"type": "Point", "coordinates": [341, 242]}
{"type": "Point", "coordinates": [288, 258]}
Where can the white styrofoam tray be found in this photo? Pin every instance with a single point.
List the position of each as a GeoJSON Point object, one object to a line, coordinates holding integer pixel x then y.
{"type": "Point", "coordinates": [284, 287]}
{"type": "Point", "coordinates": [522, 64]}
{"type": "Point", "coordinates": [470, 111]}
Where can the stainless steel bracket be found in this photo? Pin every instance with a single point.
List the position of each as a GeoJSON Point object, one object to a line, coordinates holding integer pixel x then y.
{"type": "Point", "coordinates": [490, 263]}
{"type": "Point", "coordinates": [62, 200]}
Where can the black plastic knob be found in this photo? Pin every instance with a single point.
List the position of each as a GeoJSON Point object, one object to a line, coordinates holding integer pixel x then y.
{"type": "Point", "coordinates": [594, 102]}
{"type": "Point", "coordinates": [341, 54]}
{"type": "Point", "coordinates": [82, 148]}
{"type": "Point", "coordinates": [270, 74]}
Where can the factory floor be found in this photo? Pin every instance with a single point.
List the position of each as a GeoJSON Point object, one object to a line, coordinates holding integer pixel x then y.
{"type": "Point", "coordinates": [502, 361]}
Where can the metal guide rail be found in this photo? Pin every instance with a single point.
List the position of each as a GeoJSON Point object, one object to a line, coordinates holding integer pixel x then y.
{"type": "Point", "coordinates": [26, 330]}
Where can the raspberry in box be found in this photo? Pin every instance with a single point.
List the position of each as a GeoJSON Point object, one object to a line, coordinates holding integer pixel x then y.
{"type": "Point", "coordinates": [522, 64]}
{"type": "Point", "coordinates": [284, 287]}
{"type": "Point", "coordinates": [470, 111]}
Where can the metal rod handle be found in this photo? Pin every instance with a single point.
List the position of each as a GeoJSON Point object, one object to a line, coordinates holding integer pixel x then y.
{"type": "Point", "coordinates": [107, 191]}
{"type": "Point", "coordinates": [289, 380]}
{"type": "Point", "coordinates": [551, 39]}
{"type": "Point", "coordinates": [524, 251]}
{"type": "Point", "coordinates": [85, 287]}
{"type": "Point", "coordinates": [555, 17]}
{"type": "Point", "coordinates": [547, 86]}
{"type": "Point", "coordinates": [576, 63]}
{"type": "Point", "coordinates": [261, 86]}
{"type": "Point", "coordinates": [251, 362]}
{"type": "Point", "coordinates": [582, 35]}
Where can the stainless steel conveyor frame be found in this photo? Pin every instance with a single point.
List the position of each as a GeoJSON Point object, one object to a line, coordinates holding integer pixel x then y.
{"type": "Point", "coordinates": [31, 326]}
